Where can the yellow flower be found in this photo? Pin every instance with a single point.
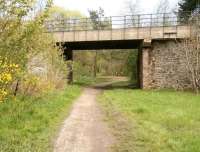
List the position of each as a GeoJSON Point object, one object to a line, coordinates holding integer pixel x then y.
{"type": "Point", "coordinates": [8, 77]}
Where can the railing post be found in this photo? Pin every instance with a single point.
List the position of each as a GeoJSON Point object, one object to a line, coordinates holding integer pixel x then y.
{"type": "Point", "coordinates": [163, 28]}
{"type": "Point", "coordinates": [125, 21]}
{"type": "Point", "coordinates": [98, 27]}
{"type": "Point", "coordinates": [86, 28]}
{"type": "Point", "coordinates": [99, 24]}
{"type": "Point", "coordinates": [124, 26]}
{"type": "Point", "coordinates": [67, 25]}
{"type": "Point", "coordinates": [151, 22]}
{"type": "Point", "coordinates": [110, 22]}
{"type": "Point", "coordinates": [111, 27]}
{"type": "Point", "coordinates": [138, 20]}
{"type": "Point", "coordinates": [151, 18]}
{"type": "Point", "coordinates": [138, 26]}
{"type": "Point", "coordinates": [74, 24]}
{"type": "Point", "coordinates": [74, 28]}
{"type": "Point", "coordinates": [164, 19]}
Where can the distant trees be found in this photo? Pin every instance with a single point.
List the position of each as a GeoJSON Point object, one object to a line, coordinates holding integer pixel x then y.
{"type": "Point", "coordinates": [133, 8]}
{"type": "Point", "coordinates": [186, 7]}
{"type": "Point", "coordinates": [163, 6]}
{"type": "Point", "coordinates": [62, 19]}
{"type": "Point", "coordinates": [98, 19]}
{"type": "Point", "coordinates": [109, 63]}
{"type": "Point", "coordinates": [59, 13]}
{"type": "Point", "coordinates": [162, 18]}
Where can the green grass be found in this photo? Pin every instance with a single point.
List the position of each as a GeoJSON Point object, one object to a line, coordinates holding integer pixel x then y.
{"type": "Point", "coordinates": [31, 124]}
{"type": "Point", "coordinates": [153, 121]}
{"type": "Point", "coordinates": [88, 81]}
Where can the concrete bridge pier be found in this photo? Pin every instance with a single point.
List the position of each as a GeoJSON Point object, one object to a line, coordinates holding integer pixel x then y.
{"type": "Point", "coordinates": [145, 65]}
{"type": "Point", "coordinates": [68, 55]}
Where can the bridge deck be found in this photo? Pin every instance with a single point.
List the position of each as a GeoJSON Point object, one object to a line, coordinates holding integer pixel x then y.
{"type": "Point", "coordinates": [142, 33]}
{"type": "Point", "coordinates": [129, 27]}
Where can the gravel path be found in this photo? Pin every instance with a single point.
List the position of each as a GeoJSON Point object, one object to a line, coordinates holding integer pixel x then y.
{"type": "Point", "coordinates": [84, 130]}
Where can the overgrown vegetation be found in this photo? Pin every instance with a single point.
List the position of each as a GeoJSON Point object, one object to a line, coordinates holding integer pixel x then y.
{"type": "Point", "coordinates": [190, 49]}
{"type": "Point", "coordinates": [30, 124]}
{"type": "Point", "coordinates": [105, 63]}
{"type": "Point", "coordinates": [158, 121]}
{"type": "Point", "coordinates": [29, 61]}
{"type": "Point", "coordinates": [33, 100]}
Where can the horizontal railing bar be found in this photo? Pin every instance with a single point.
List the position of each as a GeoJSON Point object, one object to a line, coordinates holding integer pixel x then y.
{"type": "Point", "coordinates": [188, 12]}
{"type": "Point", "coordinates": [116, 22]}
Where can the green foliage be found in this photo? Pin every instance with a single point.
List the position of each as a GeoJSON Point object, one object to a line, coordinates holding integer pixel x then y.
{"type": "Point", "coordinates": [59, 13]}
{"type": "Point", "coordinates": [61, 17]}
{"type": "Point", "coordinates": [23, 39]}
{"type": "Point", "coordinates": [158, 121]}
{"type": "Point", "coordinates": [30, 124]}
{"type": "Point", "coordinates": [98, 20]}
{"type": "Point", "coordinates": [18, 33]}
{"type": "Point", "coordinates": [132, 65]}
{"type": "Point", "coordinates": [108, 63]}
{"type": "Point", "coordinates": [187, 6]}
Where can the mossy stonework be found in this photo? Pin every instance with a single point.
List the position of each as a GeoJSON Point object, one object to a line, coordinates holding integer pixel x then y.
{"type": "Point", "coordinates": [164, 66]}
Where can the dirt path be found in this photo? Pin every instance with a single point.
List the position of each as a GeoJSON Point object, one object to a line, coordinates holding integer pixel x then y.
{"type": "Point", "coordinates": [84, 130]}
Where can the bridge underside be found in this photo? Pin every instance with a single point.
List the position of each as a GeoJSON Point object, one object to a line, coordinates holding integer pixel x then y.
{"type": "Point", "coordinates": [158, 66]}
{"type": "Point", "coordinates": [103, 45]}
{"type": "Point", "coordinates": [100, 45]}
{"type": "Point", "coordinates": [155, 35]}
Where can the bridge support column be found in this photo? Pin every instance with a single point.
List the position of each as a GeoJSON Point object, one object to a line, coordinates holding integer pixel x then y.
{"type": "Point", "coordinates": [68, 54]}
{"type": "Point", "coordinates": [145, 66]}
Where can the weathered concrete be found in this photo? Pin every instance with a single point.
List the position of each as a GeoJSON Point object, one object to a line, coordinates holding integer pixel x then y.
{"type": "Point", "coordinates": [166, 32]}
{"type": "Point", "coordinates": [145, 75]}
{"type": "Point", "coordinates": [160, 66]}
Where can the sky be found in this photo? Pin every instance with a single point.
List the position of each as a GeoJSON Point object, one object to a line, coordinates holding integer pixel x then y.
{"type": "Point", "coordinates": [111, 7]}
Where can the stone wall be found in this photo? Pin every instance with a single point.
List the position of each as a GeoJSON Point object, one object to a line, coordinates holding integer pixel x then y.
{"type": "Point", "coordinates": [167, 66]}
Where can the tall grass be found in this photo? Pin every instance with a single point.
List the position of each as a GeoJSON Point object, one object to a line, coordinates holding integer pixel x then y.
{"type": "Point", "coordinates": [153, 121]}
{"type": "Point", "coordinates": [30, 124]}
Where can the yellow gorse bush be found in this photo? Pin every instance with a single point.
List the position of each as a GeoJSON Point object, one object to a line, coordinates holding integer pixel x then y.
{"type": "Point", "coordinates": [8, 73]}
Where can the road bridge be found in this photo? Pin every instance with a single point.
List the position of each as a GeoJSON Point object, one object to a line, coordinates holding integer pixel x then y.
{"type": "Point", "coordinates": [147, 32]}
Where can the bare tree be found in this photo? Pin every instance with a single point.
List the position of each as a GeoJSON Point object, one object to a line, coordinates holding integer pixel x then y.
{"type": "Point", "coordinates": [162, 18]}
{"type": "Point", "coordinates": [98, 22]}
{"type": "Point", "coordinates": [191, 49]}
{"type": "Point", "coordinates": [133, 9]}
{"type": "Point", "coordinates": [163, 6]}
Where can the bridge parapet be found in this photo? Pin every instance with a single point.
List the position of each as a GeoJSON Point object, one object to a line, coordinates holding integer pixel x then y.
{"type": "Point", "coordinates": [178, 32]}
{"type": "Point", "coordinates": [129, 27]}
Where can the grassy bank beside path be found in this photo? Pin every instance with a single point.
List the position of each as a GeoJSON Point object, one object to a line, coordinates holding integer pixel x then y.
{"type": "Point", "coordinates": [31, 124]}
{"type": "Point", "coordinates": [153, 121]}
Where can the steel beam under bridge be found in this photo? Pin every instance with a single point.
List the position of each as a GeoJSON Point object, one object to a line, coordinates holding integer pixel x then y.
{"type": "Point", "coordinates": [100, 45]}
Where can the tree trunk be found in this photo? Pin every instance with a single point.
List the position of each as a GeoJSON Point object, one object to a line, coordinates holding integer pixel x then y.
{"type": "Point", "coordinates": [95, 64]}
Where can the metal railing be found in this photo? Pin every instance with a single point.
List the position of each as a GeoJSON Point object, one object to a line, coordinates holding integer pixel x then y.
{"type": "Point", "coordinates": [116, 22]}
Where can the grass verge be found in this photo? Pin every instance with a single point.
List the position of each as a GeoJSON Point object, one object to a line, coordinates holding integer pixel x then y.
{"type": "Point", "coordinates": [88, 81]}
{"type": "Point", "coordinates": [31, 124]}
{"type": "Point", "coordinates": [153, 121]}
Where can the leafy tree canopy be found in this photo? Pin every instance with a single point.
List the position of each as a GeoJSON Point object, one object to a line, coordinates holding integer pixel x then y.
{"type": "Point", "coordinates": [56, 12]}
{"type": "Point", "coordinates": [187, 6]}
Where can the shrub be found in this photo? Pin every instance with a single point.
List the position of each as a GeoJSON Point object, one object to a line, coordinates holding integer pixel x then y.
{"type": "Point", "coordinates": [8, 74]}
